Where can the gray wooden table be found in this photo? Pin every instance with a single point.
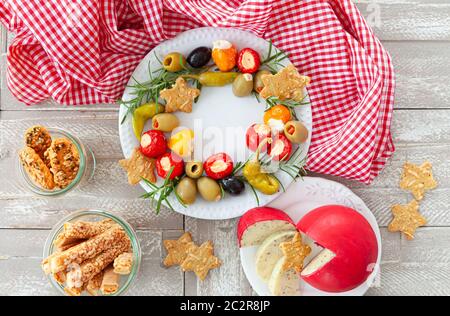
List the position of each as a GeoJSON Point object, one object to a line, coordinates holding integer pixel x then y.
{"type": "Point", "coordinates": [417, 34]}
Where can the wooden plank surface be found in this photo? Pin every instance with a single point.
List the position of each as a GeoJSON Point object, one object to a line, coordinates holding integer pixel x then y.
{"type": "Point", "coordinates": [417, 35]}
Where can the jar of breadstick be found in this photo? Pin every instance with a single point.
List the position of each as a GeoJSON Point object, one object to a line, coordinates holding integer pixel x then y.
{"type": "Point", "coordinates": [92, 252]}
{"type": "Point", "coordinates": [52, 162]}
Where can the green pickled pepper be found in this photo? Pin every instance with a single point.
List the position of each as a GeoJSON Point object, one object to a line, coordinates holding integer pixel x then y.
{"type": "Point", "coordinates": [263, 182]}
{"type": "Point", "coordinates": [142, 114]}
{"type": "Point", "coordinates": [214, 79]}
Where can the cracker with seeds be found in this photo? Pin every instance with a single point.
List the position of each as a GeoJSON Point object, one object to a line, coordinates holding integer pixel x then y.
{"type": "Point", "coordinates": [286, 84]}
{"type": "Point", "coordinates": [200, 260]}
{"type": "Point", "coordinates": [64, 161]}
{"type": "Point", "coordinates": [418, 179]}
{"type": "Point", "coordinates": [139, 166]}
{"type": "Point", "coordinates": [180, 97]}
{"type": "Point", "coordinates": [295, 252]}
{"type": "Point", "coordinates": [36, 169]}
{"type": "Point", "coordinates": [177, 250]}
{"type": "Point", "coordinates": [123, 264]}
{"type": "Point", "coordinates": [406, 219]}
{"type": "Point", "coordinates": [38, 138]}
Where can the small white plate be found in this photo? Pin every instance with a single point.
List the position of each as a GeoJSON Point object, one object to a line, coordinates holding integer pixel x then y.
{"type": "Point", "coordinates": [218, 108]}
{"type": "Point", "coordinates": [302, 197]}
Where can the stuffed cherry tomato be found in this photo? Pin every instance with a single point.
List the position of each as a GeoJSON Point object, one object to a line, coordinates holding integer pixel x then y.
{"type": "Point", "coordinates": [153, 144]}
{"type": "Point", "coordinates": [248, 61]}
{"type": "Point", "coordinates": [256, 134]}
{"type": "Point", "coordinates": [218, 166]}
{"type": "Point", "coordinates": [168, 161]}
{"type": "Point", "coordinates": [280, 148]}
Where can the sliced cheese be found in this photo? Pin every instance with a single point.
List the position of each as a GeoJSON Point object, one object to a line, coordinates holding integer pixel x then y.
{"type": "Point", "coordinates": [318, 262]}
{"type": "Point", "coordinates": [284, 283]}
{"type": "Point", "coordinates": [257, 233]}
{"type": "Point", "coordinates": [269, 253]}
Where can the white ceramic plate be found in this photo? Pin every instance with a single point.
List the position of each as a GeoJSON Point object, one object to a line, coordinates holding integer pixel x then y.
{"type": "Point", "coordinates": [301, 198]}
{"type": "Point", "coordinates": [217, 108]}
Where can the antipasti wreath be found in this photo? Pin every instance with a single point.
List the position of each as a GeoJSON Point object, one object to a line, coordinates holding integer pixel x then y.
{"type": "Point", "coordinates": [176, 85]}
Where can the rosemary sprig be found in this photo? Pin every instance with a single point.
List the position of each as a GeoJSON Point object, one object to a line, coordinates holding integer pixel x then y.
{"type": "Point", "coordinates": [160, 194]}
{"type": "Point", "coordinates": [274, 59]}
{"type": "Point", "coordinates": [293, 167]}
{"type": "Point", "coordinates": [254, 192]}
{"type": "Point", "coordinates": [256, 95]}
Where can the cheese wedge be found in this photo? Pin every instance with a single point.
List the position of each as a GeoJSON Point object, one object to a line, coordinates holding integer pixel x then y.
{"type": "Point", "coordinates": [284, 283]}
{"type": "Point", "coordinates": [269, 253]}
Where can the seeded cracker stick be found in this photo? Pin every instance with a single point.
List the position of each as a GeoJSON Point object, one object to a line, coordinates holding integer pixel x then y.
{"type": "Point", "coordinates": [90, 268]}
{"type": "Point", "coordinates": [94, 284]}
{"type": "Point", "coordinates": [88, 249]}
{"type": "Point", "coordinates": [81, 230]}
{"type": "Point", "coordinates": [123, 263]}
{"type": "Point", "coordinates": [110, 282]}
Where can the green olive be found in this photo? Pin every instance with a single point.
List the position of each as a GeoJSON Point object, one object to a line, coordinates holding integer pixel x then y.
{"type": "Point", "coordinates": [243, 85]}
{"type": "Point", "coordinates": [209, 189]}
{"type": "Point", "coordinates": [258, 85]}
{"type": "Point", "coordinates": [165, 122]}
{"type": "Point", "coordinates": [194, 169]}
{"type": "Point", "coordinates": [187, 190]}
{"type": "Point", "coordinates": [296, 132]}
{"type": "Point", "coordinates": [174, 62]}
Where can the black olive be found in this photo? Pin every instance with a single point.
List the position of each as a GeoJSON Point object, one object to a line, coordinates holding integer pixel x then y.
{"type": "Point", "coordinates": [232, 185]}
{"type": "Point", "coordinates": [199, 57]}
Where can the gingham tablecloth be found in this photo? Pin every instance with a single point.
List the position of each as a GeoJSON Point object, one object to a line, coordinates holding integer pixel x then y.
{"type": "Point", "coordinates": [84, 51]}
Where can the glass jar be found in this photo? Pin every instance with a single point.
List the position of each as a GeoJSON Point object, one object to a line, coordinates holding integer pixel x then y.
{"type": "Point", "coordinates": [85, 171]}
{"type": "Point", "coordinates": [92, 215]}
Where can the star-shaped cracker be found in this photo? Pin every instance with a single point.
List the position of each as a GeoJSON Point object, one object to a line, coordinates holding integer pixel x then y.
{"type": "Point", "coordinates": [180, 97]}
{"type": "Point", "coordinates": [139, 166]}
{"type": "Point", "coordinates": [286, 84]}
{"type": "Point", "coordinates": [177, 250]}
{"type": "Point", "coordinates": [417, 179]}
{"type": "Point", "coordinates": [406, 219]}
{"type": "Point", "coordinates": [201, 260]}
{"type": "Point", "coordinates": [295, 252]}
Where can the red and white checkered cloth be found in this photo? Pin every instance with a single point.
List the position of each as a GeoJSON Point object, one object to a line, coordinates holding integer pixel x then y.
{"type": "Point", "coordinates": [84, 51]}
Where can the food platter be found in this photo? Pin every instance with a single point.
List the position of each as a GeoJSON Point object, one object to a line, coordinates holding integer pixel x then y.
{"type": "Point", "coordinates": [300, 199]}
{"type": "Point", "coordinates": [218, 112]}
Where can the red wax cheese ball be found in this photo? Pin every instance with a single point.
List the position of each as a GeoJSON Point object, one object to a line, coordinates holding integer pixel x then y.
{"type": "Point", "coordinates": [260, 222]}
{"type": "Point", "coordinates": [351, 248]}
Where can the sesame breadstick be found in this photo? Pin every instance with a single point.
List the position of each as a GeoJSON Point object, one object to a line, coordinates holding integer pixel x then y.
{"type": "Point", "coordinates": [88, 249]}
{"type": "Point", "coordinates": [88, 269]}
{"type": "Point", "coordinates": [71, 245]}
{"type": "Point", "coordinates": [45, 264]}
{"type": "Point", "coordinates": [110, 282]}
{"type": "Point", "coordinates": [81, 230]}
